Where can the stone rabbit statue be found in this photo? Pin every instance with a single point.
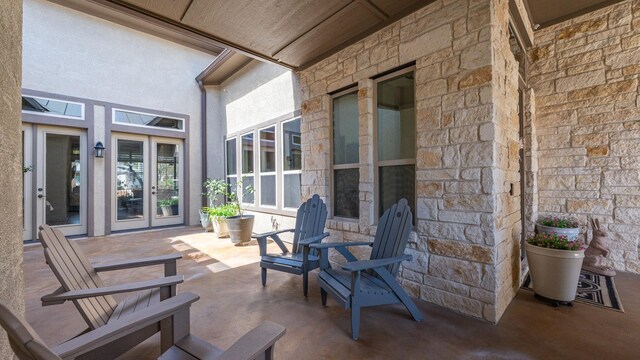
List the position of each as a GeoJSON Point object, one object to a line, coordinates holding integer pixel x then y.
{"type": "Point", "coordinates": [596, 252]}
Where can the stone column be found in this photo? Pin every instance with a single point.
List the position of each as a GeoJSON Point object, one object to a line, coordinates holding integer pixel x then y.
{"type": "Point", "coordinates": [11, 281]}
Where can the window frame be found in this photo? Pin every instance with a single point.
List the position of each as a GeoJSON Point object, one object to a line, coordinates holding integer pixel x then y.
{"type": "Point", "coordinates": [377, 164]}
{"type": "Point", "coordinates": [241, 174]}
{"type": "Point", "coordinates": [82, 117]}
{"type": "Point", "coordinates": [227, 177]}
{"type": "Point", "coordinates": [113, 120]}
{"type": "Point", "coordinates": [281, 169]}
{"type": "Point", "coordinates": [333, 166]}
{"type": "Point", "coordinates": [267, 173]}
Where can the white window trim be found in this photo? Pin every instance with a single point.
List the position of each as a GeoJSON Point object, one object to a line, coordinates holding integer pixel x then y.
{"type": "Point", "coordinates": [267, 173]}
{"type": "Point", "coordinates": [113, 120]}
{"type": "Point", "coordinates": [282, 170]}
{"type": "Point", "coordinates": [80, 118]}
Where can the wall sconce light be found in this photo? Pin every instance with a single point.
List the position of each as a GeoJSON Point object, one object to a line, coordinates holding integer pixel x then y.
{"type": "Point", "coordinates": [99, 150]}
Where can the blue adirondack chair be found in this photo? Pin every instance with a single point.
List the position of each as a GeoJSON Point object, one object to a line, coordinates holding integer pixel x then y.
{"type": "Point", "coordinates": [361, 283]}
{"type": "Point", "coordinates": [310, 221]}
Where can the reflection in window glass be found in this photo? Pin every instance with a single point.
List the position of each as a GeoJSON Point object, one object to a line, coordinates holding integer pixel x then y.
{"type": "Point", "coordinates": [346, 201]}
{"type": "Point", "coordinates": [292, 190]}
{"type": "Point", "coordinates": [63, 182]}
{"type": "Point", "coordinates": [397, 182]}
{"type": "Point", "coordinates": [167, 179]}
{"type": "Point", "coordinates": [396, 118]}
{"type": "Point", "coordinates": [134, 118]}
{"type": "Point", "coordinates": [53, 107]}
{"type": "Point", "coordinates": [231, 157]}
{"type": "Point", "coordinates": [268, 149]}
{"type": "Point", "coordinates": [129, 179]}
{"type": "Point", "coordinates": [345, 129]}
{"type": "Point", "coordinates": [267, 190]}
{"type": "Point", "coordinates": [291, 147]}
{"type": "Point", "coordinates": [247, 153]}
{"type": "Point", "coordinates": [248, 197]}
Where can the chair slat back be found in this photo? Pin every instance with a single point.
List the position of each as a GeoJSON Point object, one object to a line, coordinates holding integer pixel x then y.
{"type": "Point", "coordinates": [392, 234]}
{"type": "Point", "coordinates": [310, 221]}
{"type": "Point", "coordinates": [25, 343]}
{"type": "Point", "coordinates": [75, 272]}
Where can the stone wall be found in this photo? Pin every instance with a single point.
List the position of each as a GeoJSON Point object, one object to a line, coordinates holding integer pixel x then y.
{"type": "Point", "coordinates": [585, 75]}
{"type": "Point", "coordinates": [11, 281]}
{"type": "Point", "coordinates": [463, 248]}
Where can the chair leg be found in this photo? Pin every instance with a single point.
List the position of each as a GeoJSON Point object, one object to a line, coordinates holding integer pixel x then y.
{"type": "Point", "coordinates": [264, 276]}
{"type": "Point", "coordinates": [355, 322]}
{"type": "Point", "coordinates": [305, 282]}
{"type": "Point", "coordinates": [323, 295]}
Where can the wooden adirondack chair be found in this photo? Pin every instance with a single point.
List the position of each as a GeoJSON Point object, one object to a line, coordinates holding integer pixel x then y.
{"type": "Point", "coordinates": [82, 285]}
{"type": "Point", "coordinates": [98, 344]}
{"type": "Point", "coordinates": [361, 283]}
{"type": "Point", "coordinates": [310, 221]}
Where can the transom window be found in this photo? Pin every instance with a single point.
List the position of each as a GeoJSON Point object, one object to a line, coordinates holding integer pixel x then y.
{"type": "Point", "coordinates": [346, 148]}
{"type": "Point", "coordinates": [147, 120]}
{"type": "Point", "coordinates": [395, 145]}
{"type": "Point", "coordinates": [50, 107]}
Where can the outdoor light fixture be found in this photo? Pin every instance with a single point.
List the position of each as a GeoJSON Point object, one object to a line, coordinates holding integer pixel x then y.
{"type": "Point", "coordinates": [99, 150]}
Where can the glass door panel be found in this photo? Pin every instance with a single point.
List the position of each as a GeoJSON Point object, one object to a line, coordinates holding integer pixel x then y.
{"type": "Point", "coordinates": [27, 182]}
{"type": "Point", "coordinates": [129, 172]}
{"type": "Point", "coordinates": [166, 189]}
{"type": "Point", "coordinates": [61, 191]}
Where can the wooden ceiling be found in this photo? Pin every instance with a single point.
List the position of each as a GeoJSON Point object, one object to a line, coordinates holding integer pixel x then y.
{"type": "Point", "coordinates": [292, 33]}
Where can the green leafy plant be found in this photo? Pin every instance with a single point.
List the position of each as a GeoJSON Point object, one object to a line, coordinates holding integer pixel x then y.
{"type": "Point", "coordinates": [558, 222]}
{"type": "Point", "coordinates": [168, 202]}
{"type": "Point", "coordinates": [222, 211]}
{"type": "Point", "coordinates": [554, 241]}
{"type": "Point", "coordinates": [216, 188]}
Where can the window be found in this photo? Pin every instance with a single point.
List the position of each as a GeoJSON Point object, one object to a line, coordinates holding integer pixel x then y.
{"type": "Point", "coordinates": [268, 166]}
{"type": "Point", "coordinates": [291, 164]}
{"type": "Point", "coordinates": [345, 164]}
{"type": "Point", "coordinates": [58, 108]}
{"type": "Point", "coordinates": [147, 120]}
{"type": "Point", "coordinates": [395, 140]}
{"type": "Point", "coordinates": [232, 174]}
{"type": "Point", "coordinates": [247, 168]}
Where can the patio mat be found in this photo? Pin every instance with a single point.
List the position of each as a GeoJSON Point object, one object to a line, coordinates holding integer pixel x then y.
{"type": "Point", "coordinates": [595, 290]}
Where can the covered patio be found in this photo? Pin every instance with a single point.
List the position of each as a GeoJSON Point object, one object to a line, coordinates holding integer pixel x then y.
{"type": "Point", "coordinates": [232, 301]}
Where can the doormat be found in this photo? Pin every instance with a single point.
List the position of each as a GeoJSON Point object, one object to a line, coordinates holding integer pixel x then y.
{"type": "Point", "coordinates": [593, 289]}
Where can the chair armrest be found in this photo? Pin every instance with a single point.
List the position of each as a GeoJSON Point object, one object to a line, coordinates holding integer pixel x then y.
{"type": "Point", "coordinates": [255, 343]}
{"type": "Point", "coordinates": [59, 298]}
{"type": "Point", "coordinates": [106, 334]}
{"type": "Point", "coordinates": [271, 233]}
{"type": "Point", "coordinates": [313, 239]}
{"type": "Point", "coordinates": [371, 264]}
{"type": "Point", "coordinates": [342, 244]}
{"type": "Point", "coordinates": [128, 264]}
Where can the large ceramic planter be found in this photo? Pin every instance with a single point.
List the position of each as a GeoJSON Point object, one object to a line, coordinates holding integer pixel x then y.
{"type": "Point", "coordinates": [220, 227]}
{"type": "Point", "coordinates": [570, 233]}
{"type": "Point", "coordinates": [205, 221]}
{"type": "Point", "coordinates": [240, 228]}
{"type": "Point", "coordinates": [554, 273]}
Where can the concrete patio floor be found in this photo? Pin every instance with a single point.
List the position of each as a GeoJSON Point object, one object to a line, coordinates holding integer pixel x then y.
{"type": "Point", "coordinates": [232, 301]}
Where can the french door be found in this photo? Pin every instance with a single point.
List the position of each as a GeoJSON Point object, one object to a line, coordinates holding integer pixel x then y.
{"type": "Point", "coordinates": [146, 182]}
{"type": "Point", "coordinates": [55, 179]}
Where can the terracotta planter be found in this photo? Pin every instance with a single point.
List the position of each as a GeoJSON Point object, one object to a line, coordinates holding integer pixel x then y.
{"type": "Point", "coordinates": [570, 233]}
{"type": "Point", "coordinates": [220, 227]}
{"type": "Point", "coordinates": [554, 273]}
{"type": "Point", "coordinates": [205, 221]}
{"type": "Point", "coordinates": [240, 228]}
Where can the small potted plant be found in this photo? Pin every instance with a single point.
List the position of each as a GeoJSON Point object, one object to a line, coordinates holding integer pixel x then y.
{"type": "Point", "coordinates": [219, 214]}
{"type": "Point", "coordinates": [167, 206]}
{"type": "Point", "coordinates": [205, 220]}
{"type": "Point", "coordinates": [240, 225]}
{"type": "Point", "coordinates": [561, 226]}
{"type": "Point", "coordinates": [554, 266]}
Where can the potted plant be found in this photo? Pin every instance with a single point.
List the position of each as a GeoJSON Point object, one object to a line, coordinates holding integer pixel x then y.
{"type": "Point", "coordinates": [167, 206]}
{"type": "Point", "coordinates": [561, 226]}
{"type": "Point", "coordinates": [554, 266]}
{"type": "Point", "coordinates": [218, 216]}
{"type": "Point", "coordinates": [205, 220]}
{"type": "Point", "coordinates": [240, 225]}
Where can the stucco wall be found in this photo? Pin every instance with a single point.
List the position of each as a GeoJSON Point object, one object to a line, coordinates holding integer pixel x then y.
{"type": "Point", "coordinates": [257, 94]}
{"type": "Point", "coordinates": [11, 281]}
{"type": "Point", "coordinates": [585, 73]}
{"type": "Point", "coordinates": [70, 53]}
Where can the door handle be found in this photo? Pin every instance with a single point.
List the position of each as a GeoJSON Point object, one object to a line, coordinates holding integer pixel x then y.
{"type": "Point", "coordinates": [153, 193]}
{"type": "Point", "coordinates": [40, 196]}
